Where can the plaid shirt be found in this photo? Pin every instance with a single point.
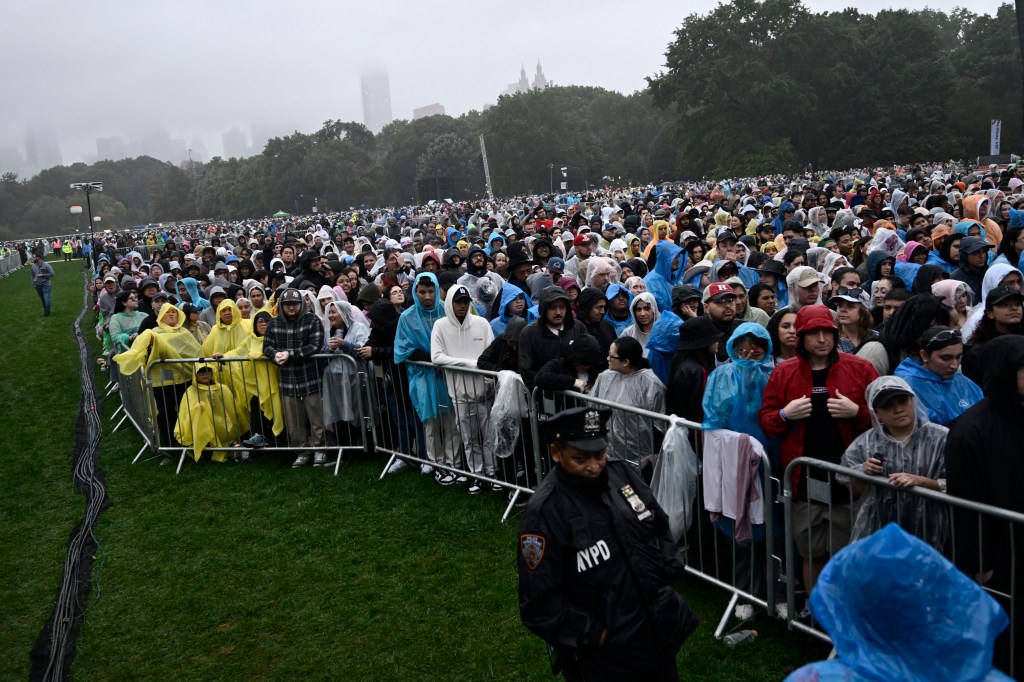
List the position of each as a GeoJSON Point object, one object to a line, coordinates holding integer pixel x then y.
{"type": "Point", "coordinates": [303, 338]}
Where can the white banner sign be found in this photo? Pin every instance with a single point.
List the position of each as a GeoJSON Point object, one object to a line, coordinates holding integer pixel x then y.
{"type": "Point", "coordinates": [997, 131]}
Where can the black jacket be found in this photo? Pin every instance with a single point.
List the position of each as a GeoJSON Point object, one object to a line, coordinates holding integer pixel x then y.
{"type": "Point", "coordinates": [685, 391]}
{"type": "Point", "coordinates": [589, 561]}
{"type": "Point", "coordinates": [603, 330]}
{"type": "Point", "coordinates": [538, 344]}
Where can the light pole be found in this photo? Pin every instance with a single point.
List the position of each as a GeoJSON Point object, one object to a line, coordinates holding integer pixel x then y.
{"type": "Point", "coordinates": [89, 188]}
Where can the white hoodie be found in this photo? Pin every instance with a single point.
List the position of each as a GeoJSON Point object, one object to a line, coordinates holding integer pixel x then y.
{"type": "Point", "coordinates": [459, 344]}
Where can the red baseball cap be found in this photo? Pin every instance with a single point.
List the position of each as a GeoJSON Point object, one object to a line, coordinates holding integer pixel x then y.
{"type": "Point", "coordinates": [718, 291]}
{"type": "Point", "coordinates": [581, 239]}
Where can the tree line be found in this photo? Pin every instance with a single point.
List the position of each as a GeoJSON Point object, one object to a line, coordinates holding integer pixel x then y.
{"type": "Point", "coordinates": [749, 88]}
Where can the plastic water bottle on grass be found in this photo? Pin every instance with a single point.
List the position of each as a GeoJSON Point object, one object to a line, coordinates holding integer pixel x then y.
{"type": "Point", "coordinates": [737, 638]}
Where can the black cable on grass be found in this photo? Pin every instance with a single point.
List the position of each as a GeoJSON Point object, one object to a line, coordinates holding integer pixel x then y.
{"type": "Point", "coordinates": [54, 649]}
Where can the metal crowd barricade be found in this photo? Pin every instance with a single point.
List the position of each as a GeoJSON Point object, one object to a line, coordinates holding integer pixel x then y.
{"type": "Point", "coordinates": [743, 569]}
{"type": "Point", "coordinates": [9, 263]}
{"type": "Point", "coordinates": [220, 420]}
{"type": "Point", "coordinates": [956, 527]}
{"type": "Point", "coordinates": [138, 408]}
{"type": "Point", "coordinates": [458, 434]}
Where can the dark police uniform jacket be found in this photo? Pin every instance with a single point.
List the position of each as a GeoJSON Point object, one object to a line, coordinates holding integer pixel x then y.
{"type": "Point", "coordinates": [595, 555]}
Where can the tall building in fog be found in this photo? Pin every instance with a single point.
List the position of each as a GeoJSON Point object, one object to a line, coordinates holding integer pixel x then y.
{"type": "Point", "coordinates": [376, 98]}
{"type": "Point", "coordinates": [111, 148]}
{"type": "Point", "coordinates": [428, 110]}
{"type": "Point", "coordinates": [236, 144]}
{"type": "Point", "coordinates": [41, 149]}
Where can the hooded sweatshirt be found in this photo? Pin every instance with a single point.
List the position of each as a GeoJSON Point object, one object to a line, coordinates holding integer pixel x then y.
{"type": "Point", "coordinates": [459, 344]}
{"type": "Point", "coordinates": [539, 343]}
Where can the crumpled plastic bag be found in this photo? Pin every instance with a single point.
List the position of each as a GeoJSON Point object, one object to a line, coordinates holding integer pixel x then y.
{"type": "Point", "coordinates": [675, 478]}
{"type": "Point", "coordinates": [510, 406]}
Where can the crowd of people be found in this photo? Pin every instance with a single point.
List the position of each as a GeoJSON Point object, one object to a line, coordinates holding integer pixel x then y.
{"type": "Point", "coordinates": [871, 319]}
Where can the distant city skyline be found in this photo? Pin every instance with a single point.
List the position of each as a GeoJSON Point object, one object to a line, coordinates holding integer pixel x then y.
{"type": "Point", "coordinates": [42, 148]}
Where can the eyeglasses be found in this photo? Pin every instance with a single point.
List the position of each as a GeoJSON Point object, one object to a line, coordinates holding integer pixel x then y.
{"type": "Point", "coordinates": [944, 336]}
{"type": "Point", "coordinates": [613, 357]}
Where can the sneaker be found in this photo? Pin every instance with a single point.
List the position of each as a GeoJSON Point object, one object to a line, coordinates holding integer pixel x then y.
{"type": "Point", "coordinates": [475, 487]}
{"type": "Point", "coordinates": [744, 612]}
{"type": "Point", "coordinates": [520, 473]}
{"type": "Point", "coordinates": [255, 441]}
{"type": "Point", "coordinates": [301, 461]}
{"type": "Point", "coordinates": [397, 466]}
{"type": "Point", "coordinates": [319, 458]}
{"type": "Point", "coordinates": [782, 610]}
{"type": "Point", "coordinates": [444, 478]}
{"type": "Point", "coordinates": [426, 469]}
{"type": "Point", "coordinates": [460, 479]}
{"type": "Point", "coordinates": [495, 487]}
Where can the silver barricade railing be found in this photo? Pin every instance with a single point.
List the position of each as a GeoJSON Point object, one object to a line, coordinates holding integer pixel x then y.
{"type": "Point", "coordinates": [955, 527]}
{"type": "Point", "coordinates": [710, 551]}
{"type": "Point", "coordinates": [440, 418]}
{"type": "Point", "coordinates": [138, 408]}
{"type": "Point", "coordinates": [245, 399]}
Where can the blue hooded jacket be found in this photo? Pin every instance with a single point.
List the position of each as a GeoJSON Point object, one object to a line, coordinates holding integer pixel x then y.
{"type": "Point", "coordinates": [734, 390]}
{"type": "Point", "coordinates": [192, 287]}
{"type": "Point", "coordinates": [495, 237]}
{"type": "Point", "coordinates": [427, 388]}
{"type": "Point", "coordinates": [661, 280]}
{"type": "Point", "coordinates": [875, 259]}
{"type": "Point", "coordinates": [898, 610]}
{"type": "Point", "coordinates": [509, 293]}
{"type": "Point", "coordinates": [452, 237]}
{"type": "Point", "coordinates": [784, 208]}
{"type": "Point", "coordinates": [662, 344]}
{"type": "Point", "coordinates": [942, 399]}
{"type": "Point", "coordinates": [611, 292]}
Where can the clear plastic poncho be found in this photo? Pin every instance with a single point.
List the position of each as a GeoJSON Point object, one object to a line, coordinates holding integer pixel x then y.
{"type": "Point", "coordinates": [632, 437]}
{"type": "Point", "coordinates": [922, 453]}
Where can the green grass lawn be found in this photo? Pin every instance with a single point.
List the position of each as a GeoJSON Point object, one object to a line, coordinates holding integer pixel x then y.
{"type": "Point", "coordinates": [39, 392]}
{"type": "Point", "coordinates": [260, 572]}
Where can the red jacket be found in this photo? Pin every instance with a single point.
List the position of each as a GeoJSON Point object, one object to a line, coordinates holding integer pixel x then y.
{"type": "Point", "coordinates": [850, 375]}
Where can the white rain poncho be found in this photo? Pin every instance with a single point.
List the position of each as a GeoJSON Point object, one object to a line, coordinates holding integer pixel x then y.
{"type": "Point", "coordinates": [674, 483]}
{"type": "Point", "coordinates": [921, 454]}
{"type": "Point", "coordinates": [510, 408]}
{"type": "Point", "coordinates": [340, 393]}
{"type": "Point", "coordinates": [632, 437]}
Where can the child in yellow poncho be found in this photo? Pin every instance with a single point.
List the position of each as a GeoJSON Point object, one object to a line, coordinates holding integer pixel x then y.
{"type": "Point", "coordinates": [206, 416]}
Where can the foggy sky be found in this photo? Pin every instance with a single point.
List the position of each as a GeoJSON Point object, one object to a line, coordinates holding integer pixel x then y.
{"type": "Point", "coordinates": [197, 67]}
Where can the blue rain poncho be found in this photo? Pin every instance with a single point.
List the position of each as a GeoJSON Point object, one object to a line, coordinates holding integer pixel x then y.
{"type": "Point", "coordinates": [661, 280]}
{"type": "Point", "coordinates": [898, 610]}
{"type": "Point", "coordinates": [192, 287]}
{"type": "Point", "coordinates": [734, 390]}
{"type": "Point", "coordinates": [943, 400]}
{"type": "Point", "coordinates": [662, 344]}
{"type": "Point", "coordinates": [509, 293]}
{"type": "Point", "coordinates": [611, 292]}
{"type": "Point", "coordinates": [426, 385]}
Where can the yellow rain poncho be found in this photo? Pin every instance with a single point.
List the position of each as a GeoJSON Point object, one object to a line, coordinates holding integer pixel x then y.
{"type": "Point", "coordinates": [206, 417]}
{"type": "Point", "coordinates": [258, 378]}
{"type": "Point", "coordinates": [226, 336]}
{"type": "Point", "coordinates": [168, 341]}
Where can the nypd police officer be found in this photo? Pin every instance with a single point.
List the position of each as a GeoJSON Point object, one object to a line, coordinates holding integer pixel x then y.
{"type": "Point", "coordinates": [596, 562]}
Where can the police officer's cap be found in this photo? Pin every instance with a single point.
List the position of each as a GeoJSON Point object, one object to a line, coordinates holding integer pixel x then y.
{"type": "Point", "coordinates": [583, 428]}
